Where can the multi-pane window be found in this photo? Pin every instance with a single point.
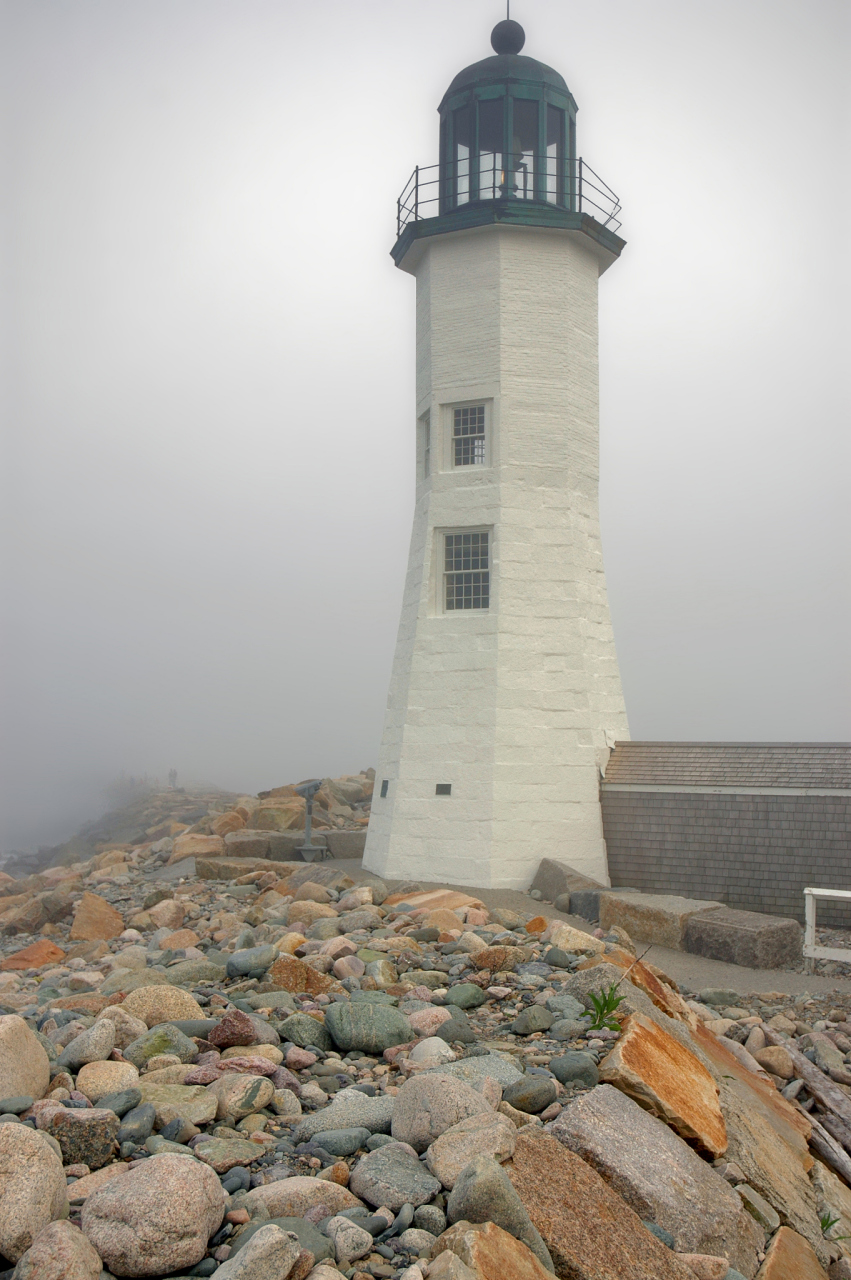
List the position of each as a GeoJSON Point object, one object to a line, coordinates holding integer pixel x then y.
{"type": "Point", "coordinates": [466, 570]}
{"type": "Point", "coordinates": [468, 436]}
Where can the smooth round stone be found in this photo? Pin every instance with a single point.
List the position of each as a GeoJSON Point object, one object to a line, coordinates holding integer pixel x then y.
{"type": "Point", "coordinates": [342, 1142]}
{"type": "Point", "coordinates": [14, 1106]}
{"type": "Point", "coordinates": [534, 1018]}
{"type": "Point", "coordinates": [378, 1140]}
{"type": "Point", "coordinates": [374, 997]}
{"type": "Point", "coordinates": [158, 1146]}
{"type": "Point", "coordinates": [532, 1094]}
{"type": "Point", "coordinates": [454, 1030]}
{"type": "Point", "coordinates": [367, 1026]}
{"type": "Point", "coordinates": [200, 1027]}
{"type": "Point", "coordinates": [558, 959]}
{"type": "Point", "coordinates": [302, 1030]}
{"type": "Point", "coordinates": [309, 1236]}
{"type": "Point", "coordinates": [466, 995]}
{"type": "Point", "coordinates": [428, 1217]}
{"type": "Point", "coordinates": [241, 963]}
{"type": "Point", "coordinates": [121, 1102]}
{"type": "Point", "coordinates": [575, 1068]}
{"type": "Point", "coordinates": [138, 1124]}
{"type": "Point", "coordinates": [562, 903]}
{"type": "Point", "coordinates": [567, 1029]}
{"type": "Point", "coordinates": [425, 935]}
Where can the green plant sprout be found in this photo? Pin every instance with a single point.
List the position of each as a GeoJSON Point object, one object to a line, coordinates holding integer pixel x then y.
{"type": "Point", "coordinates": [605, 1005]}
{"type": "Point", "coordinates": [828, 1222]}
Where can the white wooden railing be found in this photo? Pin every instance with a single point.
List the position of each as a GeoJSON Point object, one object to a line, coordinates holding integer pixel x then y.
{"type": "Point", "coordinates": [811, 951]}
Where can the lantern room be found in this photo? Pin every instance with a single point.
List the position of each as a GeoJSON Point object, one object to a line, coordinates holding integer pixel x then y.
{"type": "Point", "coordinates": [507, 130]}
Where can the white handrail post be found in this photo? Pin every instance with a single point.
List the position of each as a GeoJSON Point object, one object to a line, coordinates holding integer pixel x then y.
{"type": "Point", "coordinates": [809, 931]}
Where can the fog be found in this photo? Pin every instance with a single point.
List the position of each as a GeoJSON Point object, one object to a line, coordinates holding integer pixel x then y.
{"type": "Point", "coordinates": [208, 373]}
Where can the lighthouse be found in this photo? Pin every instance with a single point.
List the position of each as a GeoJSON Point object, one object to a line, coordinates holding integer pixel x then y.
{"type": "Point", "coordinates": [505, 694]}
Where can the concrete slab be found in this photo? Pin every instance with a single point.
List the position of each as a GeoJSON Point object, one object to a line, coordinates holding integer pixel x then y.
{"type": "Point", "coordinates": [745, 938]}
{"type": "Point", "coordinates": [652, 917]}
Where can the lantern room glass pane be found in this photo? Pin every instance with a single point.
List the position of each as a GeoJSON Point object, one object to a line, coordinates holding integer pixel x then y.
{"type": "Point", "coordinates": [555, 155]}
{"type": "Point", "coordinates": [491, 177]}
{"type": "Point", "coordinates": [523, 147]}
{"type": "Point", "coordinates": [462, 127]}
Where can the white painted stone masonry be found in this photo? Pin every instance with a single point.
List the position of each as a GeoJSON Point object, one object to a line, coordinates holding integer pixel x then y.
{"type": "Point", "coordinates": [512, 705]}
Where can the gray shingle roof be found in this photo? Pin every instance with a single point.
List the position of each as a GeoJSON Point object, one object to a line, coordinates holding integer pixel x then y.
{"type": "Point", "coordinates": [729, 764]}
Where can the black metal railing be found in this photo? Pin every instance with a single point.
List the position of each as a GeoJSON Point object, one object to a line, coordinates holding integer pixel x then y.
{"type": "Point", "coordinates": [430, 192]}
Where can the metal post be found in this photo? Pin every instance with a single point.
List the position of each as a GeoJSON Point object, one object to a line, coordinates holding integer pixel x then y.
{"type": "Point", "coordinates": [416, 191]}
{"type": "Point", "coordinates": [308, 815]}
{"type": "Point", "coordinates": [809, 930]}
{"type": "Point", "coordinates": [579, 207]}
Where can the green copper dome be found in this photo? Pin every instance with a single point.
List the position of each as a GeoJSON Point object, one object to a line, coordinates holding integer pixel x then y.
{"type": "Point", "coordinates": [506, 68]}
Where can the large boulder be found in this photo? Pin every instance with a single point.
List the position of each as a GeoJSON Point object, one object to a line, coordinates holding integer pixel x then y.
{"type": "Point", "coordinates": [429, 1104]}
{"type": "Point", "coordinates": [659, 1176]}
{"type": "Point", "coordinates": [392, 1176]}
{"type": "Point", "coordinates": [587, 1228]}
{"type": "Point", "coordinates": [484, 1251]}
{"type": "Point", "coordinates": [32, 1188]}
{"type": "Point", "coordinates": [95, 920]}
{"type": "Point", "coordinates": [153, 1005]}
{"type": "Point", "coordinates": [24, 1065]}
{"type": "Point", "coordinates": [483, 1193]}
{"type": "Point", "coordinates": [157, 1218]}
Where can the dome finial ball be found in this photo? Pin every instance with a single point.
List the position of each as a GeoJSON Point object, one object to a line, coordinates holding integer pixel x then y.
{"type": "Point", "coordinates": [508, 37]}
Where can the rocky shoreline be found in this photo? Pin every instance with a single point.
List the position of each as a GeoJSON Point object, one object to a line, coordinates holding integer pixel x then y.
{"type": "Point", "coordinates": [256, 1069]}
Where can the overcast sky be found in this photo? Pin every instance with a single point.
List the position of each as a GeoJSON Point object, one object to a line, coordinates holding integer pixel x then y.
{"type": "Point", "coordinates": [208, 370]}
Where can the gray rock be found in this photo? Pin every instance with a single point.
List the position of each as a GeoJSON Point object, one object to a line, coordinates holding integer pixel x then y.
{"type": "Point", "coordinates": [367, 1026]}
{"type": "Point", "coordinates": [554, 878]}
{"type": "Point", "coordinates": [189, 973]}
{"type": "Point", "coordinates": [374, 997]}
{"type": "Point", "coordinates": [567, 1029]}
{"type": "Point", "coordinates": [342, 1142]}
{"type": "Point", "coordinates": [429, 1104]}
{"type": "Point", "coordinates": [534, 1018]}
{"type": "Point", "coordinates": [122, 1102]}
{"type": "Point", "coordinates": [659, 1176]}
{"type": "Point", "coordinates": [164, 1038]}
{"type": "Point", "coordinates": [578, 1068]}
{"type": "Point", "coordinates": [466, 995]}
{"type": "Point", "coordinates": [558, 959]}
{"type": "Point", "coordinates": [474, 1070]}
{"type": "Point", "coordinates": [303, 1030]}
{"type": "Point", "coordinates": [565, 1006]}
{"type": "Point", "coordinates": [718, 997]}
{"type": "Point", "coordinates": [272, 1000]}
{"type": "Point", "coordinates": [428, 1217]}
{"type": "Point", "coordinates": [94, 1045]}
{"type": "Point", "coordinates": [15, 1106]}
{"type": "Point", "coordinates": [350, 1109]}
{"type": "Point", "coordinates": [483, 1193]}
{"type": "Point", "coordinates": [585, 903]}
{"type": "Point", "coordinates": [746, 938]}
{"type": "Point", "coordinates": [532, 1094]}
{"type": "Point", "coordinates": [455, 1031]}
{"type": "Point", "coordinates": [200, 1027]}
{"type": "Point", "coordinates": [392, 1176]}
{"type": "Point", "coordinates": [309, 1236]}
{"type": "Point", "coordinates": [138, 1124]}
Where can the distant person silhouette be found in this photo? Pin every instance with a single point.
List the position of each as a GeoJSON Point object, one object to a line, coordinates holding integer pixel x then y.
{"type": "Point", "coordinates": [172, 779]}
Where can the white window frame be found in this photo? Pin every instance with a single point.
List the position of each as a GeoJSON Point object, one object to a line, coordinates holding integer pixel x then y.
{"type": "Point", "coordinates": [440, 575]}
{"type": "Point", "coordinates": [448, 434]}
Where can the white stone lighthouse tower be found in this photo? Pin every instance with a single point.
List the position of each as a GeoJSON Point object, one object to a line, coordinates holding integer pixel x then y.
{"type": "Point", "coordinates": [505, 692]}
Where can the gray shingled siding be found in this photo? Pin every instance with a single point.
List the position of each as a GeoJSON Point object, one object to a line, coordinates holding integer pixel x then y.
{"type": "Point", "coordinates": [756, 853]}
{"type": "Point", "coordinates": [742, 764]}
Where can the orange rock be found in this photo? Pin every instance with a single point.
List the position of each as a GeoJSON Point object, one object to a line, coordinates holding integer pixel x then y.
{"type": "Point", "coordinates": [84, 1003]}
{"type": "Point", "coordinates": [34, 957]}
{"type": "Point", "coordinates": [307, 913]}
{"type": "Point", "coordinates": [290, 942]}
{"type": "Point", "coordinates": [96, 920]}
{"type": "Point", "coordinates": [196, 846]}
{"type": "Point", "coordinates": [231, 821]}
{"type": "Point", "coordinates": [428, 899]}
{"type": "Point", "coordinates": [536, 925]}
{"type": "Point", "coordinates": [591, 1233]}
{"type": "Point", "coordinates": [790, 1257]}
{"type": "Point", "coordinates": [498, 959]}
{"type": "Point", "coordinates": [661, 1075]}
{"type": "Point", "coordinates": [443, 919]}
{"type": "Point", "coordinates": [178, 940]}
{"type": "Point", "coordinates": [290, 974]}
{"type": "Point", "coordinates": [338, 1173]}
{"type": "Point", "coordinates": [490, 1252]}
